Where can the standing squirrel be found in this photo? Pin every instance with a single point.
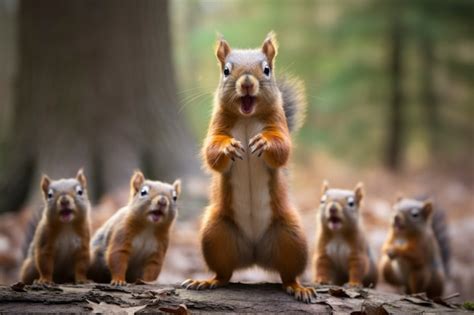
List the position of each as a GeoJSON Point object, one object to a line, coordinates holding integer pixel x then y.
{"type": "Point", "coordinates": [250, 219]}
{"type": "Point", "coordinates": [416, 252]}
{"type": "Point", "coordinates": [132, 244]}
{"type": "Point", "coordinates": [59, 251]}
{"type": "Point", "coordinates": [342, 253]}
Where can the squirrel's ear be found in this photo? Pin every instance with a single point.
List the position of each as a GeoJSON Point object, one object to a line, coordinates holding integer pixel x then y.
{"type": "Point", "coordinates": [399, 197]}
{"type": "Point", "coordinates": [359, 191]}
{"type": "Point", "coordinates": [270, 47]}
{"type": "Point", "coordinates": [427, 208]}
{"type": "Point", "coordinates": [325, 187]}
{"type": "Point", "coordinates": [45, 182]}
{"type": "Point", "coordinates": [81, 178]}
{"type": "Point", "coordinates": [177, 187]}
{"type": "Point", "coordinates": [136, 182]}
{"type": "Point", "coordinates": [222, 49]}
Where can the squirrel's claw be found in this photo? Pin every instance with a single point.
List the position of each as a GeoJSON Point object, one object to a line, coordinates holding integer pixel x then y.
{"type": "Point", "coordinates": [258, 144]}
{"type": "Point", "coordinates": [191, 284]}
{"type": "Point", "coordinates": [118, 282]}
{"type": "Point", "coordinates": [301, 293]}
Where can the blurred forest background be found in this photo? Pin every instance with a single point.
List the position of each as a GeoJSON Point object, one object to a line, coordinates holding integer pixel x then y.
{"type": "Point", "coordinates": [118, 85]}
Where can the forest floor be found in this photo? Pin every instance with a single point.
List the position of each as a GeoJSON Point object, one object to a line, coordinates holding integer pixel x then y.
{"type": "Point", "coordinates": [452, 192]}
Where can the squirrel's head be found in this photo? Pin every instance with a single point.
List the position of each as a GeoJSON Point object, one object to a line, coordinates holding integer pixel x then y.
{"type": "Point", "coordinates": [411, 215]}
{"type": "Point", "coordinates": [154, 200]}
{"type": "Point", "coordinates": [247, 84]}
{"type": "Point", "coordinates": [66, 199]}
{"type": "Point", "coordinates": [339, 209]}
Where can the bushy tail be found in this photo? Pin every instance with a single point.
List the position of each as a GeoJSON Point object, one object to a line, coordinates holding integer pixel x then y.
{"type": "Point", "coordinates": [294, 101]}
{"type": "Point", "coordinates": [440, 229]}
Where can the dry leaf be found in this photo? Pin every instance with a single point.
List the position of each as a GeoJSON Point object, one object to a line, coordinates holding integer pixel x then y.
{"type": "Point", "coordinates": [104, 308]}
{"type": "Point", "coordinates": [18, 287]}
{"type": "Point", "coordinates": [180, 310]}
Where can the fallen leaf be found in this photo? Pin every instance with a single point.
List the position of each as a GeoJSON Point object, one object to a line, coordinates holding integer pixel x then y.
{"type": "Point", "coordinates": [180, 310]}
{"type": "Point", "coordinates": [343, 293]}
{"type": "Point", "coordinates": [18, 287]}
{"type": "Point", "coordinates": [105, 308]}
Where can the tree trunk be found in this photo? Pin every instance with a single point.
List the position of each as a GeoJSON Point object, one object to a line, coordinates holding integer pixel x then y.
{"type": "Point", "coordinates": [395, 113]}
{"type": "Point", "coordinates": [235, 298]}
{"type": "Point", "coordinates": [96, 90]}
{"type": "Point", "coordinates": [429, 97]}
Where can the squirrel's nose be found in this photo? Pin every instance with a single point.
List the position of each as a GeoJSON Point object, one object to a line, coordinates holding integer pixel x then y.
{"type": "Point", "coordinates": [333, 210]}
{"type": "Point", "coordinates": [247, 86]}
{"type": "Point", "coordinates": [64, 202]}
{"type": "Point", "coordinates": [162, 202]}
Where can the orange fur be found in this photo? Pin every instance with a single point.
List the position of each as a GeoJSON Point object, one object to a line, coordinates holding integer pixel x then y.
{"type": "Point", "coordinates": [226, 244]}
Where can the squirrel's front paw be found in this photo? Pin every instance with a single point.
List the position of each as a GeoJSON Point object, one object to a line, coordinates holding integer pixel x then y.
{"type": "Point", "coordinates": [118, 282]}
{"type": "Point", "coordinates": [43, 281]}
{"type": "Point", "coordinates": [191, 284]}
{"type": "Point", "coordinates": [258, 144]}
{"type": "Point", "coordinates": [232, 150]}
{"type": "Point", "coordinates": [300, 293]}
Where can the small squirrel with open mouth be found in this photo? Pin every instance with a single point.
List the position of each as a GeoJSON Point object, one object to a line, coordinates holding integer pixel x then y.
{"type": "Point", "coordinates": [342, 252]}
{"type": "Point", "coordinates": [132, 244]}
{"type": "Point", "coordinates": [59, 251]}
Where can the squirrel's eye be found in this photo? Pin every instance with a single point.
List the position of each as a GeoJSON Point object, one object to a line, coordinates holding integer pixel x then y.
{"type": "Point", "coordinates": [227, 69]}
{"type": "Point", "coordinates": [144, 191]}
{"type": "Point", "coordinates": [415, 213]}
{"type": "Point", "coordinates": [50, 194]}
{"type": "Point", "coordinates": [175, 197]}
{"type": "Point", "coordinates": [79, 190]}
{"type": "Point", "coordinates": [350, 202]}
{"type": "Point", "coordinates": [266, 68]}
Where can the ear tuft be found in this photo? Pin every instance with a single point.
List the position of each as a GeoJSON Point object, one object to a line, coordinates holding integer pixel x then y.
{"type": "Point", "coordinates": [45, 182]}
{"type": "Point", "coordinates": [81, 177]}
{"type": "Point", "coordinates": [136, 182]}
{"type": "Point", "coordinates": [177, 187]}
{"type": "Point", "coordinates": [222, 49]}
{"type": "Point", "coordinates": [270, 47]}
{"type": "Point", "coordinates": [359, 191]}
{"type": "Point", "coordinates": [324, 187]}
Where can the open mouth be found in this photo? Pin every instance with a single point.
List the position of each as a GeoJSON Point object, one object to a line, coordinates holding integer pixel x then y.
{"type": "Point", "coordinates": [334, 223]}
{"type": "Point", "coordinates": [66, 215]}
{"type": "Point", "coordinates": [156, 215]}
{"type": "Point", "coordinates": [247, 104]}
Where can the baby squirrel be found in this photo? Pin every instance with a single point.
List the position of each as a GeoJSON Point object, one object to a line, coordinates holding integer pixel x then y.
{"type": "Point", "coordinates": [59, 251]}
{"type": "Point", "coordinates": [342, 253]}
{"type": "Point", "coordinates": [416, 252]}
{"type": "Point", "coordinates": [132, 244]}
{"type": "Point", "coordinates": [250, 219]}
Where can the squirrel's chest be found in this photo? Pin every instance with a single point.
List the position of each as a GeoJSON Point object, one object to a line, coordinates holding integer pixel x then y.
{"type": "Point", "coordinates": [250, 180]}
{"type": "Point", "coordinates": [338, 250]}
{"type": "Point", "coordinates": [144, 244]}
{"type": "Point", "coordinates": [66, 244]}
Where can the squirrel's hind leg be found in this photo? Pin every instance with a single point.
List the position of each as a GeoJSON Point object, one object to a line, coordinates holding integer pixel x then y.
{"type": "Point", "coordinates": [284, 249]}
{"type": "Point", "coordinates": [29, 273]}
{"type": "Point", "coordinates": [221, 252]}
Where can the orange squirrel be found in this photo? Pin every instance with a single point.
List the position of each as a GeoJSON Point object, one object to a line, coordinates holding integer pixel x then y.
{"type": "Point", "coordinates": [59, 251]}
{"type": "Point", "coordinates": [416, 252]}
{"type": "Point", "coordinates": [250, 219]}
{"type": "Point", "coordinates": [342, 253]}
{"type": "Point", "coordinates": [132, 244]}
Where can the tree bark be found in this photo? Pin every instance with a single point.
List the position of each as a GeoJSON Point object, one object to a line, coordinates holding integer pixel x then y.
{"type": "Point", "coordinates": [96, 90]}
{"type": "Point", "coordinates": [235, 298]}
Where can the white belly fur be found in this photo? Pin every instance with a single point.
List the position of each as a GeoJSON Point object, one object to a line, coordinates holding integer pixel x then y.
{"type": "Point", "coordinates": [66, 244]}
{"type": "Point", "coordinates": [250, 184]}
{"type": "Point", "coordinates": [143, 245]}
{"type": "Point", "coordinates": [338, 250]}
